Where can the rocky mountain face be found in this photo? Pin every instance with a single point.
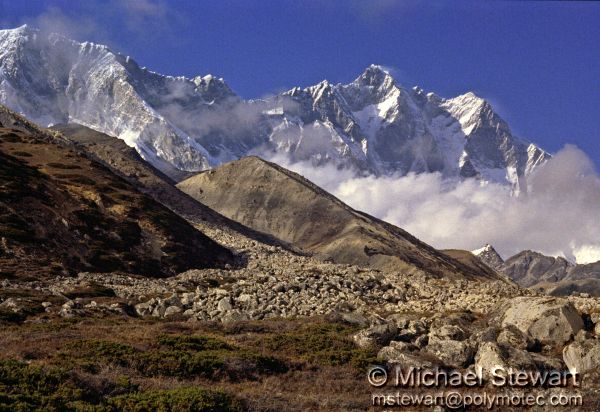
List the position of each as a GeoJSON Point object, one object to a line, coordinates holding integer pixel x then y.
{"type": "Point", "coordinates": [490, 256]}
{"type": "Point", "coordinates": [372, 124]}
{"type": "Point", "coordinates": [62, 212]}
{"type": "Point", "coordinates": [128, 164]}
{"type": "Point", "coordinates": [553, 275]}
{"type": "Point", "coordinates": [528, 268]}
{"type": "Point", "coordinates": [276, 201]}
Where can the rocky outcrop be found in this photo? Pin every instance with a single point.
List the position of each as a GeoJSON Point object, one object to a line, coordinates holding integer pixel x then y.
{"type": "Point", "coordinates": [551, 321]}
{"type": "Point", "coordinates": [489, 256]}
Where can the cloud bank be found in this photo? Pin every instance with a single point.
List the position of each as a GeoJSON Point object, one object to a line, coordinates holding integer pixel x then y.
{"type": "Point", "coordinates": [560, 215]}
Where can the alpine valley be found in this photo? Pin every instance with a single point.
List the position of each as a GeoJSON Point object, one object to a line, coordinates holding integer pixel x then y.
{"type": "Point", "coordinates": [154, 256]}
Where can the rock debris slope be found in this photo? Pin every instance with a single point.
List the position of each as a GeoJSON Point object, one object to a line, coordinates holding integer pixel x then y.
{"type": "Point", "coordinates": [273, 200]}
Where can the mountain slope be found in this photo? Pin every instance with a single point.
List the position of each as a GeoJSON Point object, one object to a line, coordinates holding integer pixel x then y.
{"type": "Point", "coordinates": [372, 124]}
{"type": "Point", "coordinates": [271, 199]}
{"type": "Point", "coordinates": [127, 163]}
{"type": "Point", "coordinates": [553, 275]}
{"type": "Point", "coordinates": [61, 212]}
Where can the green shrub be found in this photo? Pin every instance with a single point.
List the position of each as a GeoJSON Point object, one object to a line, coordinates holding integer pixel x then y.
{"type": "Point", "coordinates": [25, 387]}
{"type": "Point", "coordinates": [322, 344]}
{"type": "Point", "coordinates": [194, 343]}
{"type": "Point", "coordinates": [176, 400]}
{"type": "Point", "coordinates": [186, 357]}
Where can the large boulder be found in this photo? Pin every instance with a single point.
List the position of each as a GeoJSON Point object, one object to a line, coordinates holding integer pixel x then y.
{"type": "Point", "coordinates": [582, 357]}
{"type": "Point", "coordinates": [551, 321]}
{"type": "Point", "coordinates": [491, 355]}
{"type": "Point", "coordinates": [513, 336]}
{"type": "Point", "coordinates": [376, 335]}
{"type": "Point", "coordinates": [398, 355]}
{"type": "Point", "coordinates": [447, 333]}
{"type": "Point", "coordinates": [452, 353]}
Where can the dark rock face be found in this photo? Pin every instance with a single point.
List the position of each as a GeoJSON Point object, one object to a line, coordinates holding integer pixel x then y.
{"type": "Point", "coordinates": [528, 268]}
{"type": "Point", "coordinates": [62, 212]}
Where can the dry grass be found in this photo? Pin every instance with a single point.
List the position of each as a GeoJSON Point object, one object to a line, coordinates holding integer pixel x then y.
{"type": "Point", "coordinates": [266, 365]}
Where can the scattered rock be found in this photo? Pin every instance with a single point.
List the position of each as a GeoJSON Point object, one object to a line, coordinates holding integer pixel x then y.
{"type": "Point", "coordinates": [224, 304]}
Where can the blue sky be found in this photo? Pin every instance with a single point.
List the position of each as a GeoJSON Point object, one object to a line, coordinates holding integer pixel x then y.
{"type": "Point", "coordinates": [538, 63]}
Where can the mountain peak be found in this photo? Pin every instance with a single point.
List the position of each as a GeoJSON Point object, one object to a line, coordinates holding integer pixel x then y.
{"type": "Point", "coordinates": [374, 75]}
{"type": "Point", "coordinates": [489, 256]}
{"type": "Point", "coordinates": [22, 29]}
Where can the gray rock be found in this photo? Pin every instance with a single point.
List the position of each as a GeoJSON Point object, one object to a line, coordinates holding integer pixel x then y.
{"type": "Point", "coordinates": [188, 298]}
{"type": "Point", "coordinates": [245, 298]}
{"type": "Point", "coordinates": [406, 360]}
{"type": "Point", "coordinates": [375, 335]}
{"type": "Point", "coordinates": [143, 309]}
{"type": "Point", "coordinates": [489, 334]}
{"type": "Point", "coordinates": [453, 353]}
{"type": "Point", "coordinates": [172, 310]}
{"type": "Point", "coordinates": [354, 318]}
{"type": "Point", "coordinates": [234, 316]}
{"type": "Point", "coordinates": [552, 321]}
{"type": "Point", "coordinates": [582, 357]}
{"type": "Point", "coordinates": [512, 336]}
{"type": "Point", "coordinates": [401, 346]}
{"type": "Point", "coordinates": [490, 355]}
{"type": "Point", "coordinates": [446, 333]}
{"type": "Point", "coordinates": [224, 304]}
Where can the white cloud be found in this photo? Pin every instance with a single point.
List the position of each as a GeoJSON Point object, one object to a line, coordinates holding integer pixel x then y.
{"type": "Point", "coordinates": [143, 19]}
{"type": "Point", "coordinates": [559, 216]}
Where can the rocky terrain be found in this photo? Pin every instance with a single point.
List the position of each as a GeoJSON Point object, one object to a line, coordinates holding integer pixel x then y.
{"type": "Point", "coordinates": [552, 275]}
{"type": "Point", "coordinates": [200, 312]}
{"type": "Point", "coordinates": [281, 203]}
{"type": "Point", "coordinates": [62, 212]}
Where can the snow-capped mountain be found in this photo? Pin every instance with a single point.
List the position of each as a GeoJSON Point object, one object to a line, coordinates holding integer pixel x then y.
{"type": "Point", "coordinates": [372, 124]}
{"type": "Point", "coordinates": [489, 256]}
{"type": "Point", "coordinates": [378, 125]}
